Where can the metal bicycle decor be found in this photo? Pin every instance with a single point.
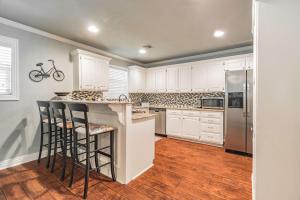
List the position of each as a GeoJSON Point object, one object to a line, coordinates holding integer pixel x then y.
{"type": "Point", "coordinates": [39, 75]}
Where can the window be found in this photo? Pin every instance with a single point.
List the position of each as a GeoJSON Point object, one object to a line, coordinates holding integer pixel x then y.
{"type": "Point", "coordinates": [8, 68]}
{"type": "Point", "coordinates": [117, 82]}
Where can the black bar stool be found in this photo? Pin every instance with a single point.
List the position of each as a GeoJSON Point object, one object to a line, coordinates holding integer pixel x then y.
{"type": "Point", "coordinates": [90, 132]}
{"type": "Point", "coordinates": [45, 119]}
{"type": "Point", "coordinates": [64, 138]}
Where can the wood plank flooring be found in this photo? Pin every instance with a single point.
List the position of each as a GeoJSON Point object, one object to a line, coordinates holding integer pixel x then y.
{"type": "Point", "coordinates": [182, 171]}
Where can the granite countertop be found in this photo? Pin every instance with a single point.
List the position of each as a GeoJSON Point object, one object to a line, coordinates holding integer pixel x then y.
{"type": "Point", "coordinates": [136, 116]}
{"type": "Point", "coordinates": [92, 102]}
{"type": "Point", "coordinates": [185, 108]}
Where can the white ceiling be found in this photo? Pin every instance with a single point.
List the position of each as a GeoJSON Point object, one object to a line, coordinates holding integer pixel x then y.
{"type": "Point", "coordinates": [175, 28]}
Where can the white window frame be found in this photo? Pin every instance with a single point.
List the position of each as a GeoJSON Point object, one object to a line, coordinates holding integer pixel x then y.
{"type": "Point", "coordinates": [14, 45]}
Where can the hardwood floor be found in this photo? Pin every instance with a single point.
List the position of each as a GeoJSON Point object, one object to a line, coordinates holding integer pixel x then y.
{"type": "Point", "coordinates": [182, 170]}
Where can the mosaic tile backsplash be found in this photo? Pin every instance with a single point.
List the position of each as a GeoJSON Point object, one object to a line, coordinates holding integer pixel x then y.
{"type": "Point", "coordinates": [187, 99]}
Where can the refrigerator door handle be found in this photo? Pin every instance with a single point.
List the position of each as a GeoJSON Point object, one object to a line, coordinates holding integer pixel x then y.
{"type": "Point", "coordinates": [244, 99]}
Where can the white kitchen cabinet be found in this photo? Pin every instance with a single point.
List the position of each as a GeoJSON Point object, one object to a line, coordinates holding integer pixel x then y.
{"type": "Point", "coordinates": [160, 80]}
{"type": "Point", "coordinates": [208, 76]}
{"type": "Point", "coordinates": [190, 127]}
{"type": "Point", "coordinates": [199, 77]}
{"type": "Point", "coordinates": [90, 71]}
{"type": "Point", "coordinates": [172, 78]}
{"type": "Point", "coordinates": [201, 126]}
{"type": "Point", "coordinates": [174, 125]}
{"type": "Point", "coordinates": [215, 77]}
{"type": "Point", "coordinates": [136, 79]}
{"type": "Point", "coordinates": [238, 63]}
{"type": "Point", "coordinates": [185, 78]}
{"type": "Point", "coordinates": [150, 80]}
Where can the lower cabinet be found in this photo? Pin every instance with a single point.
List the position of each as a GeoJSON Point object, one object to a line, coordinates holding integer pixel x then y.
{"type": "Point", "coordinates": [202, 126]}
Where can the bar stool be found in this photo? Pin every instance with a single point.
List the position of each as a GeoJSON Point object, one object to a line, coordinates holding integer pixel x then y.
{"type": "Point", "coordinates": [45, 119]}
{"type": "Point", "coordinates": [65, 136]}
{"type": "Point", "coordinates": [90, 132]}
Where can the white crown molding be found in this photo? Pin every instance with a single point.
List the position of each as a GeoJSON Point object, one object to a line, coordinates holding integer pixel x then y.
{"type": "Point", "coordinates": [64, 40]}
{"type": "Point", "coordinates": [205, 56]}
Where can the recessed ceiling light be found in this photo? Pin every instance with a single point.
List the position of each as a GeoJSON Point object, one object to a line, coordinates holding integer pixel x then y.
{"type": "Point", "coordinates": [219, 34]}
{"type": "Point", "coordinates": [93, 29]}
{"type": "Point", "coordinates": [142, 51]}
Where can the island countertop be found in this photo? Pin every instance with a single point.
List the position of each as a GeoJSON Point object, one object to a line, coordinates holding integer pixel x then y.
{"type": "Point", "coordinates": [91, 102]}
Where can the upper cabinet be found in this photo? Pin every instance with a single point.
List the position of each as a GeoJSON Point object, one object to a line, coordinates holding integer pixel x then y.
{"type": "Point", "coordinates": [200, 76]}
{"type": "Point", "coordinates": [160, 79]}
{"type": "Point", "coordinates": [150, 80]}
{"type": "Point", "coordinates": [156, 79]}
{"type": "Point", "coordinates": [136, 79]}
{"type": "Point", "coordinates": [185, 81]}
{"type": "Point", "coordinates": [90, 71]}
{"type": "Point", "coordinates": [208, 76]}
{"type": "Point", "coordinates": [172, 78]}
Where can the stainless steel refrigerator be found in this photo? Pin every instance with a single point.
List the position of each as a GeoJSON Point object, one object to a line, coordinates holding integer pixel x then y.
{"type": "Point", "coordinates": [239, 111]}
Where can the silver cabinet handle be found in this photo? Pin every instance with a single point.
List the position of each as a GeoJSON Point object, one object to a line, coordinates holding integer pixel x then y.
{"type": "Point", "coordinates": [244, 99]}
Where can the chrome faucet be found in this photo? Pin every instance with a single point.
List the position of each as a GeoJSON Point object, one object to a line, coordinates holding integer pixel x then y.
{"type": "Point", "coordinates": [123, 95]}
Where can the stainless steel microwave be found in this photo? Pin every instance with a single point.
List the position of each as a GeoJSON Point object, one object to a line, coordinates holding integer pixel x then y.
{"type": "Point", "coordinates": [212, 102]}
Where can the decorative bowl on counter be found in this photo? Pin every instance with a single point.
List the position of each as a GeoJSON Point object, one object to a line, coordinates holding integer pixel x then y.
{"type": "Point", "coordinates": [61, 94]}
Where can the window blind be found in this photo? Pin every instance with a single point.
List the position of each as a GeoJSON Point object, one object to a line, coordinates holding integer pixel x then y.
{"type": "Point", "coordinates": [5, 70]}
{"type": "Point", "coordinates": [117, 82]}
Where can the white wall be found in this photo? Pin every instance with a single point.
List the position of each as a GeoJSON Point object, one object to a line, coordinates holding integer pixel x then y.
{"type": "Point", "coordinates": [19, 120]}
{"type": "Point", "coordinates": [277, 44]}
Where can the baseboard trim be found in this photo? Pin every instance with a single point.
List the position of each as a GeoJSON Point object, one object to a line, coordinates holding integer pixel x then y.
{"type": "Point", "coordinates": [141, 172]}
{"type": "Point", "coordinates": [19, 160]}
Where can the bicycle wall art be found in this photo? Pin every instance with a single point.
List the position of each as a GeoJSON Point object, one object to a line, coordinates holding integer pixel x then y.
{"type": "Point", "coordinates": [39, 75]}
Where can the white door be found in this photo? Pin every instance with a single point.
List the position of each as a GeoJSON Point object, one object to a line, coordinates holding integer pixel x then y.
{"type": "Point", "coordinates": [150, 80]}
{"type": "Point", "coordinates": [185, 78]}
{"type": "Point", "coordinates": [160, 80]}
{"type": "Point", "coordinates": [191, 127]}
{"type": "Point", "coordinates": [172, 79]}
{"type": "Point", "coordinates": [249, 61]}
{"type": "Point", "coordinates": [174, 125]}
{"type": "Point", "coordinates": [199, 77]}
{"type": "Point", "coordinates": [215, 76]}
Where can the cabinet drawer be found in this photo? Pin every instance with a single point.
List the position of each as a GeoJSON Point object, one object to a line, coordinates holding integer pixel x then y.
{"type": "Point", "coordinates": [211, 120]}
{"type": "Point", "coordinates": [215, 128]}
{"type": "Point", "coordinates": [174, 112]}
{"type": "Point", "coordinates": [191, 113]}
{"type": "Point", "coordinates": [208, 114]}
{"type": "Point", "coordinates": [211, 138]}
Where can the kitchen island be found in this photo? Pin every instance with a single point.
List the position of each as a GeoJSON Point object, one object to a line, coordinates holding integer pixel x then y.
{"type": "Point", "coordinates": [134, 138]}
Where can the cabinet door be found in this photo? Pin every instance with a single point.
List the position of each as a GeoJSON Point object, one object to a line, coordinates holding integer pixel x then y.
{"type": "Point", "coordinates": [160, 80]}
{"type": "Point", "coordinates": [215, 76]}
{"type": "Point", "coordinates": [185, 78]}
{"type": "Point", "coordinates": [88, 69]}
{"type": "Point", "coordinates": [174, 125]}
{"type": "Point", "coordinates": [136, 80]}
{"type": "Point", "coordinates": [172, 79]}
{"type": "Point", "coordinates": [93, 74]}
{"type": "Point", "coordinates": [235, 64]}
{"type": "Point", "coordinates": [190, 127]}
{"type": "Point", "coordinates": [150, 80]}
{"type": "Point", "coordinates": [199, 77]}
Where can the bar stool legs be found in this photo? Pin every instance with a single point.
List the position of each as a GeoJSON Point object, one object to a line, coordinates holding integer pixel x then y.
{"type": "Point", "coordinates": [49, 144]}
{"type": "Point", "coordinates": [41, 143]}
{"type": "Point", "coordinates": [112, 160]}
{"type": "Point", "coordinates": [96, 154]}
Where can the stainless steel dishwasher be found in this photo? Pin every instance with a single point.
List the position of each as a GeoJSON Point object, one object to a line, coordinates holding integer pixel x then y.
{"type": "Point", "coordinates": [160, 120]}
